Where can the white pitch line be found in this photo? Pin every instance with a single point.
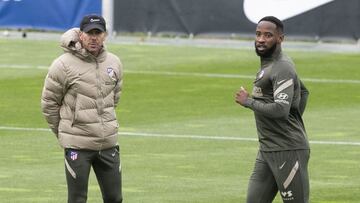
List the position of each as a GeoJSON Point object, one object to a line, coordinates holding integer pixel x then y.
{"type": "Point", "coordinates": [203, 137]}
{"type": "Point", "coordinates": [20, 66]}
{"type": "Point", "coordinates": [208, 75]}
{"type": "Point", "coordinates": [215, 75]}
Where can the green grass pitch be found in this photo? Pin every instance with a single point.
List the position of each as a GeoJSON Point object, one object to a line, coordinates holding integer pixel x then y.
{"type": "Point", "coordinates": [172, 97]}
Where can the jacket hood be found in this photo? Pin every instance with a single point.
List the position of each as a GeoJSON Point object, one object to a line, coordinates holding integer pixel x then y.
{"type": "Point", "coordinates": [70, 43]}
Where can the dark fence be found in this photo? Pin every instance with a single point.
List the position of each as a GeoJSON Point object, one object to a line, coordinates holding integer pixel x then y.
{"type": "Point", "coordinates": [334, 19]}
{"type": "Point", "coordinates": [327, 19]}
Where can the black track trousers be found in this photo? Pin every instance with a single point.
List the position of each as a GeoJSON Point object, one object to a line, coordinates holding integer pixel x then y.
{"type": "Point", "coordinates": [107, 168]}
{"type": "Point", "coordinates": [282, 171]}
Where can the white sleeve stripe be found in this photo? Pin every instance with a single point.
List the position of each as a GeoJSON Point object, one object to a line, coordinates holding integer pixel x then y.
{"type": "Point", "coordinates": [283, 86]}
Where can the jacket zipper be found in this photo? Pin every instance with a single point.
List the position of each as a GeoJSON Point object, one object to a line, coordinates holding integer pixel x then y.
{"type": "Point", "coordinates": [100, 99]}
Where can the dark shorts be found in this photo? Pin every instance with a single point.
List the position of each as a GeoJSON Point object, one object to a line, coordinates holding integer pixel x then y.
{"type": "Point", "coordinates": [285, 172]}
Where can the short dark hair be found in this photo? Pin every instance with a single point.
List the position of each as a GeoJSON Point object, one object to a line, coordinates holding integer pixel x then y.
{"type": "Point", "coordinates": [276, 21]}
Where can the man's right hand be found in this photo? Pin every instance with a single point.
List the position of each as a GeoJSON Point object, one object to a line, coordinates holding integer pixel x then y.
{"type": "Point", "coordinates": [241, 96]}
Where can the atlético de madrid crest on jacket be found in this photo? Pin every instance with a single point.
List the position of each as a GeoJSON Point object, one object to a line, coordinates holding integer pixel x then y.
{"type": "Point", "coordinates": [110, 71]}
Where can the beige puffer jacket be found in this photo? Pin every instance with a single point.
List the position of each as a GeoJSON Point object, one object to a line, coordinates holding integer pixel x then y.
{"type": "Point", "coordinates": [80, 95]}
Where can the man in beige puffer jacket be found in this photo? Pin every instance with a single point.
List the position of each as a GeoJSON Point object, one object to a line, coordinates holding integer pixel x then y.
{"type": "Point", "coordinates": [81, 91]}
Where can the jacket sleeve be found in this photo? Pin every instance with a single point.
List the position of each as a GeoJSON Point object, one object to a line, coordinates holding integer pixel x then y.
{"type": "Point", "coordinates": [52, 94]}
{"type": "Point", "coordinates": [118, 86]}
{"type": "Point", "coordinates": [304, 96]}
{"type": "Point", "coordinates": [283, 92]}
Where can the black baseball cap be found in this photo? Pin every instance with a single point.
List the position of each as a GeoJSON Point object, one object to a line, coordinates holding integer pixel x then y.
{"type": "Point", "coordinates": [93, 21]}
